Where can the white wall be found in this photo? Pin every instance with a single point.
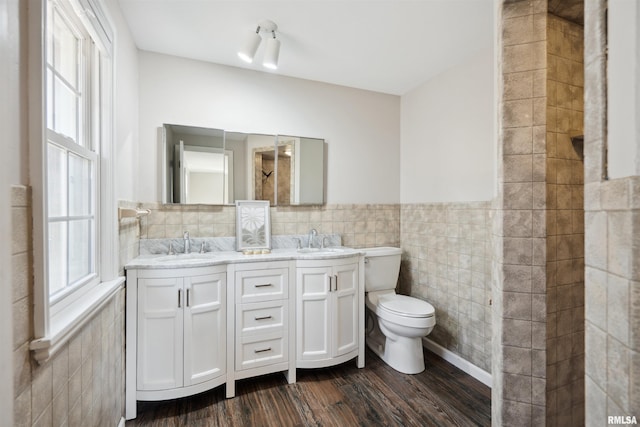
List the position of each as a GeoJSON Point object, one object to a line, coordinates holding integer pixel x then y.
{"type": "Point", "coordinates": [362, 128]}
{"type": "Point", "coordinates": [624, 88]}
{"type": "Point", "coordinates": [448, 145]}
{"type": "Point", "coordinates": [126, 107]}
{"type": "Point", "coordinates": [9, 50]}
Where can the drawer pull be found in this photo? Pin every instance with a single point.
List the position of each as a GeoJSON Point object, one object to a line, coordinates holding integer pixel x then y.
{"type": "Point", "coordinates": [264, 317]}
{"type": "Point", "coordinates": [264, 285]}
{"type": "Point", "coordinates": [262, 350]}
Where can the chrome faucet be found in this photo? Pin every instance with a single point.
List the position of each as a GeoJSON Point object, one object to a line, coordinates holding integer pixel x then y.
{"type": "Point", "coordinates": [312, 234]}
{"type": "Point", "coordinates": [187, 242]}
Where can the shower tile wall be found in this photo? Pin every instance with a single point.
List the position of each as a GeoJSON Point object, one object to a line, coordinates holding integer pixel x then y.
{"type": "Point", "coordinates": [612, 252]}
{"type": "Point", "coordinates": [360, 225]}
{"type": "Point", "coordinates": [565, 223]}
{"type": "Point", "coordinates": [539, 372]}
{"type": "Point", "coordinates": [519, 317]}
{"type": "Point", "coordinates": [446, 261]}
{"type": "Point", "coordinates": [83, 384]}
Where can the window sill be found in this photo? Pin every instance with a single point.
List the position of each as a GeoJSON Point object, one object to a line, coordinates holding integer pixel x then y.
{"type": "Point", "coordinates": [64, 326]}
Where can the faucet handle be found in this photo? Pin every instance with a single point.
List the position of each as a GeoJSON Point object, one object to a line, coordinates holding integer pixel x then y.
{"type": "Point", "coordinates": [186, 235]}
{"type": "Point", "coordinates": [203, 248]}
{"type": "Point", "coordinates": [323, 244]}
{"type": "Point", "coordinates": [171, 251]}
{"type": "Point", "coordinates": [298, 243]}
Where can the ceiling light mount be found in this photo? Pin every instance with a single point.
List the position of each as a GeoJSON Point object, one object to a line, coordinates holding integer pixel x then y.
{"type": "Point", "coordinates": [268, 26]}
{"type": "Point", "coordinates": [272, 49]}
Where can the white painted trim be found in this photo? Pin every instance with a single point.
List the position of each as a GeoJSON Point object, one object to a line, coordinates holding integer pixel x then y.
{"type": "Point", "coordinates": [36, 28]}
{"type": "Point", "coordinates": [121, 422]}
{"type": "Point", "coordinates": [457, 361]}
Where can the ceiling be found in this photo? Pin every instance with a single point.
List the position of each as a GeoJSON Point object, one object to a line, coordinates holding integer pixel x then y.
{"type": "Point", "coordinates": [388, 46]}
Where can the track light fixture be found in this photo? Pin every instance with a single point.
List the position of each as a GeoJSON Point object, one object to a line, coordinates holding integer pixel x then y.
{"type": "Point", "coordinates": [271, 53]}
{"type": "Point", "coordinates": [251, 46]}
{"type": "Point", "coordinates": [272, 48]}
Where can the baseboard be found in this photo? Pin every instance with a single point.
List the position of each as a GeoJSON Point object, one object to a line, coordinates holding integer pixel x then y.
{"type": "Point", "coordinates": [122, 422]}
{"type": "Point", "coordinates": [457, 361]}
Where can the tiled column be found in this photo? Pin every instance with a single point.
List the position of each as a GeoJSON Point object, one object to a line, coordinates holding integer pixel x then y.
{"type": "Point", "coordinates": [565, 224]}
{"type": "Point", "coordinates": [519, 318]}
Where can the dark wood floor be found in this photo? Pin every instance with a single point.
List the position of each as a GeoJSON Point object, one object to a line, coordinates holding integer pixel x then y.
{"type": "Point", "coordinates": [338, 396]}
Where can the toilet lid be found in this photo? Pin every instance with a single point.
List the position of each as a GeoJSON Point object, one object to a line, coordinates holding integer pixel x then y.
{"type": "Point", "coordinates": [406, 306]}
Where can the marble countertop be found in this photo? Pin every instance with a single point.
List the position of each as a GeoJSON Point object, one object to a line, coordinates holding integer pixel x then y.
{"type": "Point", "coordinates": [159, 261]}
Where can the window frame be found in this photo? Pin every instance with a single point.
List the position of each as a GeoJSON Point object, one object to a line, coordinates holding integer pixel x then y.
{"type": "Point", "coordinates": [86, 144]}
{"type": "Point", "coordinates": [57, 319]}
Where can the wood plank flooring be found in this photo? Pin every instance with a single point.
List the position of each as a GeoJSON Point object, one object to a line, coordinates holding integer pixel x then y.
{"type": "Point", "coordinates": [342, 395]}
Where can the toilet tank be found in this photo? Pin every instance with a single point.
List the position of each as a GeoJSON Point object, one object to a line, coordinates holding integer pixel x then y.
{"type": "Point", "coordinates": [381, 268]}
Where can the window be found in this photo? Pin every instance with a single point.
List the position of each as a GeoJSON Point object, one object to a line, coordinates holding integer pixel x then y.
{"type": "Point", "coordinates": [72, 153]}
{"type": "Point", "coordinates": [75, 233]}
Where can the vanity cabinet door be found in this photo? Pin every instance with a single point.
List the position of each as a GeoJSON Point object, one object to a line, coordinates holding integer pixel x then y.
{"type": "Point", "coordinates": [181, 331]}
{"type": "Point", "coordinates": [204, 324]}
{"type": "Point", "coordinates": [160, 331]}
{"type": "Point", "coordinates": [327, 311]}
{"type": "Point", "coordinates": [313, 311]}
{"type": "Point", "coordinates": [345, 309]}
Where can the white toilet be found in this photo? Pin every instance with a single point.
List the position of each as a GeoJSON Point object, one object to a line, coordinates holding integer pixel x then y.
{"type": "Point", "coordinates": [395, 323]}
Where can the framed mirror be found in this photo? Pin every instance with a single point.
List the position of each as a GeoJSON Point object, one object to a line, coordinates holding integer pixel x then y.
{"type": "Point", "coordinates": [253, 225]}
{"type": "Point", "coordinates": [213, 166]}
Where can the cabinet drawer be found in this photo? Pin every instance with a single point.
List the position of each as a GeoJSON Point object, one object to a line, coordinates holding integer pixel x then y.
{"type": "Point", "coordinates": [262, 285]}
{"type": "Point", "coordinates": [263, 350]}
{"type": "Point", "coordinates": [260, 317]}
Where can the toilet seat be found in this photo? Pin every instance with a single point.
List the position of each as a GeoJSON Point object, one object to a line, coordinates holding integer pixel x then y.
{"type": "Point", "coordinates": [403, 305]}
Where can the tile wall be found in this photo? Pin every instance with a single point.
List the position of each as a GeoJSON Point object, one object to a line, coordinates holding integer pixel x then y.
{"type": "Point", "coordinates": [129, 237]}
{"type": "Point", "coordinates": [361, 225]}
{"type": "Point", "coordinates": [83, 384]}
{"type": "Point", "coordinates": [519, 363]}
{"type": "Point", "coordinates": [541, 301]}
{"type": "Point", "coordinates": [612, 252]}
{"type": "Point", "coordinates": [565, 223]}
{"type": "Point", "coordinates": [446, 261]}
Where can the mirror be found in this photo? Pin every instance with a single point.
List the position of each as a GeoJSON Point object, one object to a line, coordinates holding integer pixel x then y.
{"type": "Point", "coordinates": [213, 166]}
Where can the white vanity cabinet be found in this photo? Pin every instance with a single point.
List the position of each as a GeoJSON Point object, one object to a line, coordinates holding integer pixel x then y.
{"type": "Point", "coordinates": [176, 332]}
{"type": "Point", "coordinates": [194, 323]}
{"type": "Point", "coordinates": [261, 309]}
{"type": "Point", "coordinates": [330, 312]}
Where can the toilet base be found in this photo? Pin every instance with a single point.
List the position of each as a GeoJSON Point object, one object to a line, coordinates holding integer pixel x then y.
{"type": "Point", "coordinates": [402, 354]}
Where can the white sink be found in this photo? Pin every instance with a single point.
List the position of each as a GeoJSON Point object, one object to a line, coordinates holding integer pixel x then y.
{"type": "Point", "coordinates": [319, 250]}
